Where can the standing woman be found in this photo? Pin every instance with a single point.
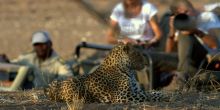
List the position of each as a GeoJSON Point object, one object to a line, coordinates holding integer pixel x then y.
{"type": "Point", "coordinates": [134, 21]}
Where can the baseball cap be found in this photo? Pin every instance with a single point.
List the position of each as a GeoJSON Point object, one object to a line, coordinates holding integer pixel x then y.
{"type": "Point", "coordinates": [40, 37]}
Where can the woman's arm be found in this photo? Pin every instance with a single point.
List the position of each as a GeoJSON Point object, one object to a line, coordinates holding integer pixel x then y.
{"type": "Point", "coordinates": [156, 29]}
{"type": "Point", "coordinates": [111, 33]}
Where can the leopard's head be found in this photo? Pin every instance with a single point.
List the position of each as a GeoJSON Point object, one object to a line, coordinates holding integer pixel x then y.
{"type": "Point", "coordinates": [126, 55]}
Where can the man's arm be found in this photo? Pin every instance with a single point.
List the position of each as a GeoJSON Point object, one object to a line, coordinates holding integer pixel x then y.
{"type": "Point", "coordinates": [170, 39]}
{"type": "Point", "coordinates": [64, 70]}
{"type": "Point", "coordinates": [207, 39]}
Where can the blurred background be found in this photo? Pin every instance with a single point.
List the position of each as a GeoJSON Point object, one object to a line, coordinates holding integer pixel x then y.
{"type": "Point", "coordinates": [68, 21]}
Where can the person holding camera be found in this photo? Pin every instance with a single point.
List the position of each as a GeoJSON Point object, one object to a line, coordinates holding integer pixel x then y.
{"type": "Point", "coordinates": [192, 43]}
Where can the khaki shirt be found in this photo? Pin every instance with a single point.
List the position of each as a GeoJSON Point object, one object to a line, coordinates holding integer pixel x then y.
{"type": "Point", "coordinates": [45, 71]}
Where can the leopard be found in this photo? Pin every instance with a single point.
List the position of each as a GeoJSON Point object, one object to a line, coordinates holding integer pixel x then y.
{"type": "Point", "coordinates": [113, 81]}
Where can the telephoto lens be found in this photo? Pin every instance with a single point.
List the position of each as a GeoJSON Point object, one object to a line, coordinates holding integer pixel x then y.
{"type": "Point", "coordinates": [183, 22]}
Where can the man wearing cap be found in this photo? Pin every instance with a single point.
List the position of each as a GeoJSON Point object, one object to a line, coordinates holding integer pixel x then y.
{"type": "Point", "coordinates": [43, 60]}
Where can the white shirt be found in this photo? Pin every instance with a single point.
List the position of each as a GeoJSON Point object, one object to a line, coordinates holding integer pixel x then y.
{"type": "Point", "coordinates": [208, 20]}
{"type": "Point", "coordinates": [138, 27]}
{"type": "Point", "coordinates": [45, 71]}
{"type": "Point", "coordinates": [212, 6]}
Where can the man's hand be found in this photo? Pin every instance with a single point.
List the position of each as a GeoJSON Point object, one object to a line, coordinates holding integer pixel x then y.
{"type": "Point", "coordinates": [127, 40]}
{"type": "Point", "coordinates": [151, 43]}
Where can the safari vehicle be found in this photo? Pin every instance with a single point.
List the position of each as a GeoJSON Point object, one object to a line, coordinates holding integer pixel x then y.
{"type": "Point", "coordinates": [86, 58]}
{"type": "Point", "coordinates": [89, 64]}
{"type": "Point", "coordinates": [14, 77]}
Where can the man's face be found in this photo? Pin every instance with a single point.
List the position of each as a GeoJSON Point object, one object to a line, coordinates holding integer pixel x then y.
{"type": "Point", "coordinates": [131, 3]}
{"type": "Point", "coordinates": [182, 9]}
{"type": "Point", "coordinates": [42, 49]}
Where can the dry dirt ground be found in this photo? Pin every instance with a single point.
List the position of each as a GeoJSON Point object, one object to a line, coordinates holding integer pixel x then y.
{"type": "Point", "coordinates": [36, 100]}
{"type": "Point", "coordinates": [69, 23]}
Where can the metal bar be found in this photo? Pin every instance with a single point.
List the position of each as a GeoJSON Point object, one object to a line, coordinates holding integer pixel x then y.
{"type": "Point", "coordinates": [18, 81]}
{"type": "Point", "coordinates": [9, 67]}
{"type": "Point", "coordinates": [150, 69]}
{"type": "Point", "coordinates": [91, 46]}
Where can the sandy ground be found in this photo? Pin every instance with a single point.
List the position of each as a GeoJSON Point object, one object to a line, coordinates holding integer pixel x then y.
{"type": "Point", "coordinates": [68, 22]}
{"type": "Point", "coordinates": [36, 100]}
